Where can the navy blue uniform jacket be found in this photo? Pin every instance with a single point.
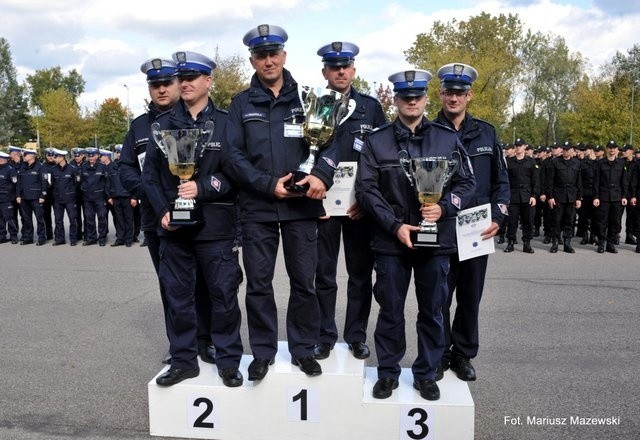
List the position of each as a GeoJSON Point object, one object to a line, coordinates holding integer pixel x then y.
{"type": "Point", "coordinates": [384, 191]}
{"type": "Point", "coordinates": [216, 193]}
{"type": "Point", "coordinates": [260, 153]}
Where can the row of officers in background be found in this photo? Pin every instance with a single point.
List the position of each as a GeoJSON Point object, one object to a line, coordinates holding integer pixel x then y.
{"type": "Point", "coordinates": [85, 189]}
{"type": "Point", "coordinates": [573, 190]}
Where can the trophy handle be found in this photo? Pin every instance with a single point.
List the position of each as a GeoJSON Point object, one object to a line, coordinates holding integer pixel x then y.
{"type": "Point", "coordinates": [303, 91]}
{"type": "Point", "coordinates": [350, 109]}
{"type": "Point", "coordinates": [405, 163]}
{"type": "Point", "coordinates": [157, 137]}
{"type": "Point", "coordinates": [209, 128]}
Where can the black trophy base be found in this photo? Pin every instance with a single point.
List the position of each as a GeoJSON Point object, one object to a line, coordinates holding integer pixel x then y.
{"type": "Point", "coordinates": [424, 239]}
{"type": "Point", "coordinates": [185, 217]}
{"type": "Point", "coordinates": [291, 186]}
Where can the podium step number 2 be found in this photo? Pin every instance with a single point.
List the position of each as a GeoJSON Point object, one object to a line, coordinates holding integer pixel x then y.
{"type": "Point", "coordinates": [289, 405]}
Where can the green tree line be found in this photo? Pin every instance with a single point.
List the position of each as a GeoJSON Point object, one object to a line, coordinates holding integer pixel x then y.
{"type": "Point", "coordinates": [530, 85]}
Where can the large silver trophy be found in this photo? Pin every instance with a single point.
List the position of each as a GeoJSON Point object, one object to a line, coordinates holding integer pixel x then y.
{"type": "Point", "coordinates": [324, 111]}
{"type": "Point", "coordinates": [181, 147]}
{"type": "Point", "coordinates": [428, 176]}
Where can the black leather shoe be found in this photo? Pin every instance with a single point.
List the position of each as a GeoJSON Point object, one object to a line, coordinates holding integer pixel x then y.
{"type": "Point", "coordinates": [57, 243]}
{"type": "Point", "coordinates": [631, 240]}
{"type": "Point", "coordinates": [384, 387]}
{"type": "Point", "coordinates": [308, 365]}
{"type": "Point", "coordinates": [144, 243]}
{"type": "Point", "coordinates": [322, 350]}
{"type": "Point", "coordinates": [428, 389]}
{"type": "Point", "coordinates": [231, 377]}
{"type": "Point", "coordinates": [611, 248]}
{"type": "Point", "coordinates": [439, 372]}
{"type": "Point", "coordinates": [359, 350]}
{"type": "Point", "coordinates": [4, 240]}
{"type": "Point", "coordinates": [89, 242]}
{"type": "Point", "coordinates": [14, 241]}
{"type": "Point", "coordinates": [73, 243]}
{"type": "Point", "coordinates": [127, 244]}
{"type": "Point", "coordinates": [585, 240]}
{"type": "Point", "coordinates": [117, 243]}
{"type": "Point", "coordinates": [26, 242]}
{"type": "Point", "coordinates": [601, 248]}
{"type": "Point", "coordinates": [40, 242]}
{"type": "Point", "coordinates": [463, 369]}
{"type": "Point", "coordinates": [176, 375]}
{"type": "Point", "coordinates": [102, 242]}
{"type": "Point", "coordinates": [208, 354]}
{"type": "Point", "coordinates": [258, 368]}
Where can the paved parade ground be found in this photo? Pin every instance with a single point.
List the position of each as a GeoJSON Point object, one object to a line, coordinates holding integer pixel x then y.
{"type": "Point", "coordinates": [81, 335]}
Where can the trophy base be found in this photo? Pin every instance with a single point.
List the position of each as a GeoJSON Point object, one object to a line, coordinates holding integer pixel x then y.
{"type": "Point", "coordinates": [424, 239]}
{"type": "Point", "coordinates": [290, 185]}
{"type": "Point", "coordinates": [185, 217]}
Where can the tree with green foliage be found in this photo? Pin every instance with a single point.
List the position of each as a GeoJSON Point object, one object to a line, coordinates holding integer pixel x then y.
{"type": "Point", "coordinates": [229, 77]}
{"type": "Point", "coordinates": [14, 126]}
{"type": "Point", "coordinates": [110, 122]}
{"type": "Point", "coordinates": [361, 85]}
{"type": "Point", "coordinates": [60, 125]}
{"type": "Point", "coordinates": [549, 73]}
{"type": "Point", "coordinates": [46, 80]}
{"type": "Point", "coordinates": [489, 44]}
{"type": "Point", "coordinates": [385, 96]}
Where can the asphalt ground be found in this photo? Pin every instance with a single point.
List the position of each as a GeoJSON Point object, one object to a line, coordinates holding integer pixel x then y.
{"type": "Point", "coordinates": [81, 334]}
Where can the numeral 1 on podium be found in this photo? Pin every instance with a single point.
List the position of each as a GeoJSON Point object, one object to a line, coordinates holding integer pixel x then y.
{"type": "Point", "coordinates": [303, 405]}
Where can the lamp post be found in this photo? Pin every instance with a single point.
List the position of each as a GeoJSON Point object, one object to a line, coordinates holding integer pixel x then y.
{"type": "Point", "coordinates": [633, 92]}
{"type": "Point", "coordinates": [128, 119]}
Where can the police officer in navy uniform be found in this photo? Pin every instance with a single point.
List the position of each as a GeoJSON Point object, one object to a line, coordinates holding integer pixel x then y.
{"type": "Point", "coordinates": [47, 206]}
{"type": "Point", "coordinates": [467, 278]}
{"type": "Point", "coordinates": [93, 184]}
{"type": "Point", "coordinates": [31, 192]}
{"type": "Point", "coordinates": [586, 212]}
{"type": "Point", "coordinates": [65, 181]}
{"type": "Point", "coordinates": [524, 185]}
{"type": "Point", "coordinates": [123, 204]}
{"type": "Point", "coordinates": [164, 93]}
{"type": "Point", "coordinates": [210, 245]}
{"type": "Point", "coordinates": [385, 192]}
{"type": "Point", "coordinates": [634, 197]}
{"type": "Point", "coordinates": [8, 181]}
{"type": "Point", "coordinates": [339, 71]}
{"type": "Point", "coordinates": [564, 195]}
{"type": "Point", "coordinates": [16, 162]}
{"type": "Point", "coordinates": [610, 196]}
{"type": "Point", "coordinates": [265, 138]}
{"type": "Point", "coordinates": [79, 158]}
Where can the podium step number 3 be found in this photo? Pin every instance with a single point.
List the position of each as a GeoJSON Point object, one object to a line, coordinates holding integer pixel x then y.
{"type": "Point", "coordinates": [289, 405]}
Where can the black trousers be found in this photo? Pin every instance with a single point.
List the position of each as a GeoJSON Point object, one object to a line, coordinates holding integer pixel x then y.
{"type": "Point", "coordinates": [522, 212]}
{"type": "Point", "coordinates": [260, 242]}
{"type": "Point", "coordinates": [359, 259]}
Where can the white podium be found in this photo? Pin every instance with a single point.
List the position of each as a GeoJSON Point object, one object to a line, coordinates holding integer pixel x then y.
{"type": "Point", "coordinates": [289, 405]}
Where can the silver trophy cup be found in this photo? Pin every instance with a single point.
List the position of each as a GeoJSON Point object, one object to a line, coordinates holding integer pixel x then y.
{"type": "Point", "coordinates": [429, 177]}
{"type": "Point", "coordinates": [324, 111]}
{"type": "Point", "coordinates": [180, 147]}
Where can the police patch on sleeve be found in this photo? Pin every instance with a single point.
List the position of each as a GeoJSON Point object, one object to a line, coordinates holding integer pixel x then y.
{"type": "Point", "coordinates": [503, 209]}
{"type": "Point", "coordinates": [455, 200]}
{"type": "Point", "coordinates": [215, 183]}
{"type": "Point", "coordinates": [330, 162]}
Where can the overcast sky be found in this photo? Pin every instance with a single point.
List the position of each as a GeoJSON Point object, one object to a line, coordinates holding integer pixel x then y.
{"type": "Point", "coordinates": [107, 40]}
